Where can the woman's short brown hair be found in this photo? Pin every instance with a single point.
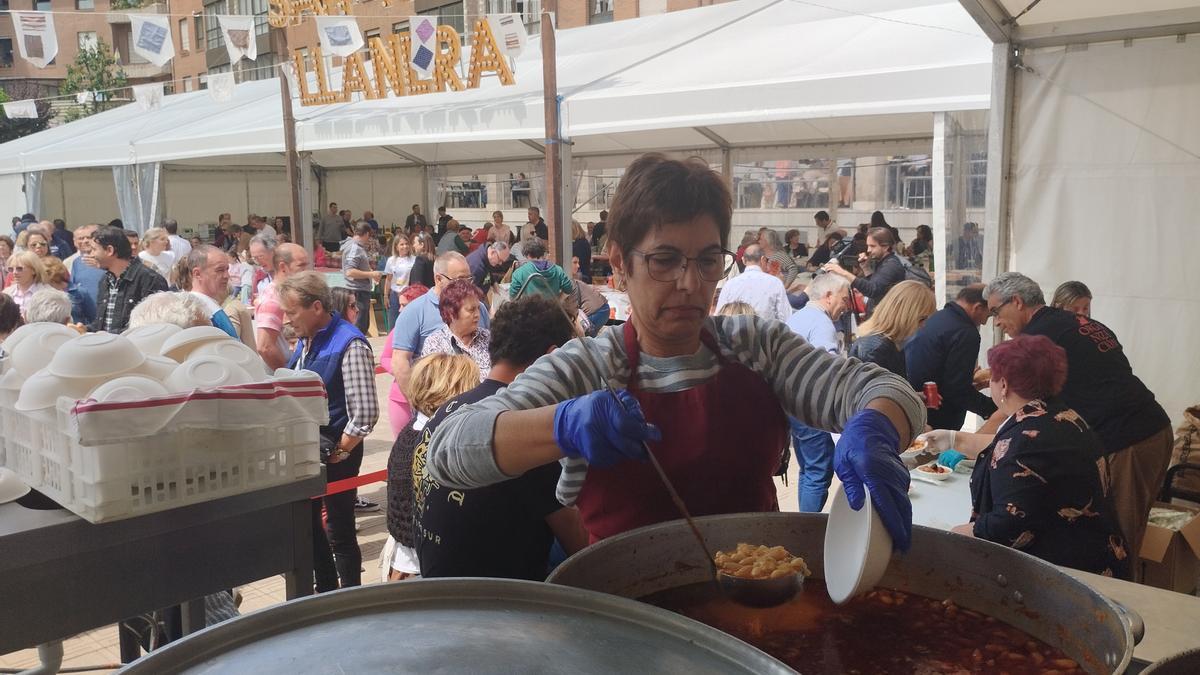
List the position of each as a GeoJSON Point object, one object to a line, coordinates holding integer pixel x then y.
{"type": "Point", "coordinates": [657, 190]}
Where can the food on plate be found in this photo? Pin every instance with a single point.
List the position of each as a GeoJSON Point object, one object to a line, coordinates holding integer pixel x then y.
{"type": "Point", "coordinates": [748, 561]}
{"type": "Point", "coordinates": [937, 469]}
{"type": "Point", "coordinates": [918, 445]}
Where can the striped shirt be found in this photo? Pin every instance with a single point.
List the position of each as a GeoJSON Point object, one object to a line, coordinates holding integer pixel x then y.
{"type": "Point", "coordinates": [818, 389]}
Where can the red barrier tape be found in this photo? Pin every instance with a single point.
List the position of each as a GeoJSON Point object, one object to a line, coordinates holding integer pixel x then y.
{"type": "Point", "coordinates": [353, 482]}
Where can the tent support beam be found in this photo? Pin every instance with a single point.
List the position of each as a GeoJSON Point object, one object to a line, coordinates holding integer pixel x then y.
{"type": "Point", "coordinates": [291, 159]}
{"type": "Point", "coordinates": [559, 217]}
{"type": "Point", "coordinates": [400, 153]}
{"type": "Point", "coordinates": [996, 227]}
{"type": "Point", "coordinates": [1109, 28]}
{"type": "Point", "coordinates": [541, 149]}
{"type": "Point", "coordinates": [992, 18]}
{"type": "Point", "coordinates": [712, 136]}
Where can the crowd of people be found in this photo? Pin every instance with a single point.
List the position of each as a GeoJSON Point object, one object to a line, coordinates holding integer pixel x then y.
{"type": "Point", "coordinates": [509, 446]}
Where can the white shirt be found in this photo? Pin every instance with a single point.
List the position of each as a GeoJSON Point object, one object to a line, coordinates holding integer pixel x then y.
{"type": "Point", "coordinates": [760, 290]}
{"type": "Point", "coordinates": [162, 263]}
{"type": "Point", "coordinates": [210, 306]}
{"type": "Point", "coordinates": [267, 229]}
{"type": "Point", "coordinates": [179, 246]}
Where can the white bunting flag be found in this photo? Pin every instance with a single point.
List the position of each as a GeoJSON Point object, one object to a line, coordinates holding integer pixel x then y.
{"type": "Point", "coordinates": [21, 110]}
{"type": "Point", "coordinates": [509, 33]}
{"type": "Point", "coordinates": [339, 35]}
{"type": "Point", "coordinates": [239, 37]}
{"type": "Point", "coordinates": [150, 37]}
{"type": "Point", "coordinates": [288, 69]}
{"type": "Point", "coordinates": [35, 37]}
{"type": "Point", "coordinates": [148, 96]}
{"type": "Point", "coordinates": [423, 31]}
{"type": "Point", "coordinates": [85, 97]}
{"type": "Point", "coordinates": [220, 86]}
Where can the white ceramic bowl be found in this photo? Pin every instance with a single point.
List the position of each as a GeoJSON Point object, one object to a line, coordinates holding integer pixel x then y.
{"type": "Point", "coordinates": [37, 350]}
{"type": "Point", "coordinates": [21, 334]}
{"type": "Point", "coordinates": [179, 345]}
{"type": "Point", "coordinates": [96, 355]}
{"type": "Point", "coordinates": [206, 372]}
{"type": "Point", "coordinates": [150, 338]}
{"type": "Point", "coordinates": [128, 388]}
{"type": "Point", "coordinates": [857, 548]}
{"type": "Point", "coordinates": [236, 352]}
{"type": "Point", "coordinates": [11, 486]}
{"type": "Point", "coordinates": [12, 380]}
{"type": "Point", "coordinates": [933, 471]}
{"type": "Point", "coordinates": [155, 367]}
{"type": "Point", "coordinates": [43, 388]}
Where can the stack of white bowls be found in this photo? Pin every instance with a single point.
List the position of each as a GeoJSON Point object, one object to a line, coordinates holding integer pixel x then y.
{"type": "Point", "coordinates": [45, 361]}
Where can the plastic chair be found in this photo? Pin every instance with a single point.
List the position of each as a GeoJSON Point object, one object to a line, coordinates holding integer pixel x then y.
{"type": "Point", "coordinates": [1169, 491]}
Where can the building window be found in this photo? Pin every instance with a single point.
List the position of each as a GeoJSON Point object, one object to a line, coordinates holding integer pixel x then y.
{"type": "Point", "coordinates": [198, 30]}
{"type": "Point", "coordinates": [83, 4]}
{"type": "Point", "coordinates": [530, 11]}
{"type": "Point", "coordinates": [185, 37]}
{"type": "Point", "coordinates": [86, 40]}
{"type": "Point", "coordinates": [448, 15]}
{"type": "Point", "coordinates": [259, 7]}
{"type": "Point", "coordinates": [3, 5]}
{"type": "Point", "coordinates": [400, 27]}
{"type": "Point", "coordinates": [187, 84]}
{"type": "Point", "coordinates": [601, 11]}
{"type": "Point", "coordinates": [41, 5]}
{"type": "Point", "coordinates": [262, 69]}
{"type": "Point", "coordinates": [213, 38]}
{"type": "Point", "coordinates": [6, 52]}
{"type": "Point", "coordinates": [373, 33]}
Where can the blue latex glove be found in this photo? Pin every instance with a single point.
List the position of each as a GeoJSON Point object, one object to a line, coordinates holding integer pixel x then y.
{"type": "Point", "coordinates": [869, 453]}
{"type": "Point", "coordinates": [601, 429]}
{"type": "Point", "coordinates": [950, 458]}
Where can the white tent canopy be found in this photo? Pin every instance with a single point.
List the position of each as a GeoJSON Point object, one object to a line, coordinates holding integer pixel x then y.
{"type": "Point", "coordinates": [748, 76]}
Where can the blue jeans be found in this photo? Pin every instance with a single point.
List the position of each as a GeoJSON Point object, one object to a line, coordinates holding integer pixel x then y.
{"type": "Point", "coordinates": [814, 456]}
{"type": "Point", "coordinates": [393, 309]}
{"type": "Point", "coordinates": [599, 317]}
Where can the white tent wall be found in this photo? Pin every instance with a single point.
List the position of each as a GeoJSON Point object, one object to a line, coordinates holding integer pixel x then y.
{"type": "Point", "coordinates": [389, 192]}
{"type": "Point", "coordinates": [197, 195]}
{"type": "Point", "coordinates": [79, 196]}
{"type": "Point", "coordinates": [12, 199]}
{"type": "Point", "coordinates": [1105, 169]}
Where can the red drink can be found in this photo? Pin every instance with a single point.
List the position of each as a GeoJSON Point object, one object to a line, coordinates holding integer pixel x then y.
{"type": "Point", "coordinates": [932, 398]}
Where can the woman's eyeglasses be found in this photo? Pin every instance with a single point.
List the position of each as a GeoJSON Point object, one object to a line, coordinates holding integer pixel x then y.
{"type": "Point", "coordinates": [668, 266]}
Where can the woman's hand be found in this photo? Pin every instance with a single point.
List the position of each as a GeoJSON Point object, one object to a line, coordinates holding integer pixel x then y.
{"type": "Point", "coordinates": [867, 455]}
{"type": "Point", "coordinates": [938, 440]}
{"type": "Point", "coordinates": [602, 428]}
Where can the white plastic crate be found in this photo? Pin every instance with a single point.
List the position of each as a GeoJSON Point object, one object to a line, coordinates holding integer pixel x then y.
{"type": "Point", "coordinates": [168, 457]}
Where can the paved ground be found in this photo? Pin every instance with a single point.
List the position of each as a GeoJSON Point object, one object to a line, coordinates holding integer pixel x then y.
{"type": "Point", "coordinates": [99, 647]}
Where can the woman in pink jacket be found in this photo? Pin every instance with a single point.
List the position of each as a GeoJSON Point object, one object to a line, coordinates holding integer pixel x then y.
{"type": "Point", "coordinates": [399, 411]}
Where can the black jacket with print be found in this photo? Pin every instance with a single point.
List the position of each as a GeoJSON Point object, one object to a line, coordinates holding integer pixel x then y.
{"type": "Point", "coordinates": [1037, 488]}
{"type": "Point", "coordinates": [135, 283]}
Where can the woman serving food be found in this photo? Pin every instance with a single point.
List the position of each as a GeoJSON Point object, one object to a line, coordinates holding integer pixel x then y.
{"type": "Point", "coordinates": [710, 395]}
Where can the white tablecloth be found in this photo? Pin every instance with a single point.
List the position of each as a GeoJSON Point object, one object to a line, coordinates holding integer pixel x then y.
{"type": "Point", "coordinates": [942, 505]}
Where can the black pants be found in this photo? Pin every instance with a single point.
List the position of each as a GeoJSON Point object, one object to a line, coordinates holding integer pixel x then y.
{"type": "Point", "coordinates": [364, 311]}
{"type": "Point", "coordinates": [335, 546]}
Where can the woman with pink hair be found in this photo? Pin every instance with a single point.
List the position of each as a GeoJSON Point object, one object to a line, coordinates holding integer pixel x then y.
{"type": "Point", "coordinates": [1036, 485]}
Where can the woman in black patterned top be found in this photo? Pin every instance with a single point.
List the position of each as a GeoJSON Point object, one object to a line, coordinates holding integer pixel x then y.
{"type": "Point", "coordinates": [1036, 487]}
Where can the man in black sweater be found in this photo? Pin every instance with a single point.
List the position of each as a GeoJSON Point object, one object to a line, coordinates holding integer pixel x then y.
{"type": "Point", "coordinates": [944, 351]}
{"type": "Point", "coordinates": [888, 270]}
{"type": "Point", "coordinates": [1134, 430]}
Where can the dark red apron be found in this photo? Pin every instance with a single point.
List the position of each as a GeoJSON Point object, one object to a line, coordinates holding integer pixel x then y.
{"type": "Point", "coordinates": [722, 442]}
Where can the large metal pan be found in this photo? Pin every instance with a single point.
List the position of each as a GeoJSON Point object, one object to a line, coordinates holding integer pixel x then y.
{"type": "Point", "coordinates": [1011, 586]}
{"type": "Point", "coordinates": [459, 626]}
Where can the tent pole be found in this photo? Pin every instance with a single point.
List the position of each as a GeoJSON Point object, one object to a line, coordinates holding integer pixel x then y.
{"type": "Point", "coordinates": [938, 219]}
{"type": "Point", "coordinates": [559, 244]}
{"type": "Point", "coordinates": [291, 160]}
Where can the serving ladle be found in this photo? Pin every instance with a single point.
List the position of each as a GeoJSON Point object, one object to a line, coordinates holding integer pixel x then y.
{"type": "Point", "coordinates": [750, 592]}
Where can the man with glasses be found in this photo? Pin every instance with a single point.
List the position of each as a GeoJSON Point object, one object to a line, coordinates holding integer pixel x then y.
{"type": "Point", "coordinates": [423, 317]}
{"type": "Point", "coordinates": [1134, 430]}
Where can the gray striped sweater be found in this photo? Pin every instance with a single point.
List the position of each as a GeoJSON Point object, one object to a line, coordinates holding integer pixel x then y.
{"type": "Point", "coordinates": [819, 389]}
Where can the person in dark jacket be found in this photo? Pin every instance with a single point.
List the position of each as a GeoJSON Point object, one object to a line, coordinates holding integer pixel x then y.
{"type": "Point", "coordinates": [435, 379]}
{"type": "Point", "coordinates": [126, 280]}
{"type": "Point", "coordinates": [896, 319]}
{"type": "Point", "coordinates": [944, 351]}
{"type": "Point", "coordinates": [1036, 486]}
{"type": "Point", "coordinates": [1134, 429]}
{"type": "Point", "coordinates": [888, 270]}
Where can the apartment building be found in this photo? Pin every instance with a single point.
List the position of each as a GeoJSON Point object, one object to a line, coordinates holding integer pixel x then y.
{"type": "Point", "coordinates": [82, 23]}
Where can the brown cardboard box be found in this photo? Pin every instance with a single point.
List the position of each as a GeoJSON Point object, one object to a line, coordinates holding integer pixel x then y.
{"type": "Point", "coordinates": [1170, 559]}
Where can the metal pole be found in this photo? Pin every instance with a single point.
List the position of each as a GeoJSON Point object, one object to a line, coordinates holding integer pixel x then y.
{"type": "Point", "coordinates": [301, 229]}
{"type": "Point", "coordinates": [554, 192]}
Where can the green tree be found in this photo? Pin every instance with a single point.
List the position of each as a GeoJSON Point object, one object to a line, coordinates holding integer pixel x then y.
{"type": "Point", "coordinates": [14, 129]}
{"type": "Point", "coordinates": [95, 69]}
